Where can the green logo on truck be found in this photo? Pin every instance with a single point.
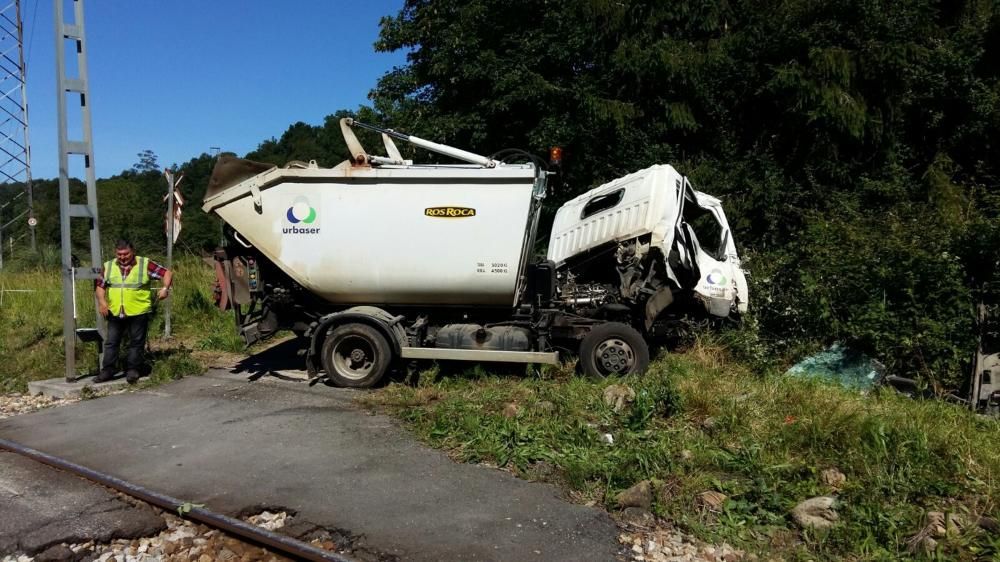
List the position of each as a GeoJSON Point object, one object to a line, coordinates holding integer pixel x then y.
{"type": "Point", "coordinates": [301, 212]}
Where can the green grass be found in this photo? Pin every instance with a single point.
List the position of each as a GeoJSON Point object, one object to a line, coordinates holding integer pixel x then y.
{"type": "Point", "coordinates": [31, 343]}
{"type": "Point", "coordinates": [702, 422]}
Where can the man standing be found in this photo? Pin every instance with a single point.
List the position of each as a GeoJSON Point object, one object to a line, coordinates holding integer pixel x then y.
{"type": "Point", "coordinates": [124, 298]}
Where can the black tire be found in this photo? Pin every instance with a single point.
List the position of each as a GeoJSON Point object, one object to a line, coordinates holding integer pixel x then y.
{"type": "Point", "coordinates": [613, 349]}
{"type": "Point", "coordinates": [356, 356]}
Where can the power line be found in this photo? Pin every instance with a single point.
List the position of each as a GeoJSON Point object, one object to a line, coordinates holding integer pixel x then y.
{"type": "Point", "coordinates": [31, 32]}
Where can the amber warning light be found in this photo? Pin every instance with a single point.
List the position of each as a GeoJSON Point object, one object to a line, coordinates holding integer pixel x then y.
{"type": "Point", "coordinates": [555, 155]}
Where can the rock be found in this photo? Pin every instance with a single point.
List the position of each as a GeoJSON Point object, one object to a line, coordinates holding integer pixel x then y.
{"type": "Point", "coordinates": [686, 455]}
{"type": "Point", "coordinates": [204, 558]}
{"type": "Point", "coordinates": [815, 513]}
{"type": "Point", "coordinates": [541, 471]}
{"type": "Point", "coordinates": [934, 524]}
{"type": "Point", "coordinates": [169, 548]}
{"type": "Point", "coordinates": [511, 410]}
{"type": "Point", "coordinates": [607, 439]}
{"type": "Point", "coordinates": [637, 517]}
{"type": "Point", "coordinates": [238, 547]}
{"type": "Point", "coordinates": [928, 545]}
{"type": "Point", "coordinates": [708, 424]}
{"type": "Point", "coordinates": [639, 495]}
{"type": "Point", "coordinates": [989, 524]}
{"type": "Point", "coordinates": [55, 553]}
{"type": "Point", "coordinates": [618, 396]}
{"type": "Point", "coordinates": [545, 407]}
{"type": "Point", "coordinates": [833, 478]}
{"type": "Point", "coordinates": [955, 523]}
{"type": "Point", "coordinates": [711, 500]}
{"type": "Point", "coordinates": [225, 555]}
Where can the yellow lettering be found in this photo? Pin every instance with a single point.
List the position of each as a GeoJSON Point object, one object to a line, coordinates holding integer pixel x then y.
{"type": "Point", "coordinates": [450, 212]}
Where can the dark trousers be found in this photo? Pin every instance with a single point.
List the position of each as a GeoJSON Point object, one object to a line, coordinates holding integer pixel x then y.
{"type": "Point", "coordinates": [133, 326]}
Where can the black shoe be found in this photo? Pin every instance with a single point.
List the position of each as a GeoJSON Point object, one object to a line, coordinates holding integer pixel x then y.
{"type": "Point", "coordinates": [103, 377]}
{"type": "Point", "coordinates": [132, 377]}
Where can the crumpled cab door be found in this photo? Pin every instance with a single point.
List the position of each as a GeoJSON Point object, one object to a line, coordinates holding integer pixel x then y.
{"type": "Point", "coordinates": [722, 283]}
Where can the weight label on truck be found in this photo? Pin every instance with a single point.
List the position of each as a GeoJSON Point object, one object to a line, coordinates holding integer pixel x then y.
{"type": "Point", "coordinates": [494, 267]}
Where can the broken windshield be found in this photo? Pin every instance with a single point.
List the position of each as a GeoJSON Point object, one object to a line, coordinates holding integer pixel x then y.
{"type": "Point", "coordinates": [712, 237]}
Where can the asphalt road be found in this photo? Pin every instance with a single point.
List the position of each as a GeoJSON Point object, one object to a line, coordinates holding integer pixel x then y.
{"type": "Point", "coordinates": [41, 506]}
{"type": "Point", "coordinates": [232, 444]}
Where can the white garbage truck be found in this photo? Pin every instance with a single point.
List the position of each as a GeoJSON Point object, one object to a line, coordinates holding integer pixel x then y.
{"type": "Point", "coordinates": [381, 262]}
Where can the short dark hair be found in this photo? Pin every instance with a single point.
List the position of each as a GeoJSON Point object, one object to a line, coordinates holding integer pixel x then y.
{"type": "Point", "coordinates": [123, 244]}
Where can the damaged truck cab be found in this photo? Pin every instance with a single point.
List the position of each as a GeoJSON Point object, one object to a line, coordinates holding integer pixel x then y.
{"type": "Point", "coordinates": [380, 262]}
{"type": "Point", "coordinates": [665, 240]}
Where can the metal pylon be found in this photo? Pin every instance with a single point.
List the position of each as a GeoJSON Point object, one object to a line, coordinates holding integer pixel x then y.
{"type": "Point", "coordinates": [15, 149]}
{"type": "Point", "coordinates": [74, 31]}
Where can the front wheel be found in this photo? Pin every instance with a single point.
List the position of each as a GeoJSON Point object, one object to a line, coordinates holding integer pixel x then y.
{"type": "Point", "coordinates": [356, 356]}
{"type": "Point", "coordinates": [613, 349]}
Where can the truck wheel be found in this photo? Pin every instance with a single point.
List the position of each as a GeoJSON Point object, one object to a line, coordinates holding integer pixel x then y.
{"type": "Point", "coordinates": [613, 349]}
{"type": "Point", "coordinates": [356, 356]}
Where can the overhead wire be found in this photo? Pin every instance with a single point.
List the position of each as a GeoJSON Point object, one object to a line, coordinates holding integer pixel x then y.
{"type": "Point", "coordinates": [31, 38]}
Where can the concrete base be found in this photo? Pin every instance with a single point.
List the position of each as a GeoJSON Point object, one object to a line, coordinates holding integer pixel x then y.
{"type": "Point", "coordinates": [59, 388]}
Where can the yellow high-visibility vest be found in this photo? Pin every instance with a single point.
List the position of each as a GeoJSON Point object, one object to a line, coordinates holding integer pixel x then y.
{"type": "Point", "coordinates": [131, 292]}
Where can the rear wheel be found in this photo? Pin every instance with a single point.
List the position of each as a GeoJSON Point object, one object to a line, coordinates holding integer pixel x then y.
{"type": "Point", "coordinates": [613, 349]}
{"type": "Point", "coordinates": [356, 356]}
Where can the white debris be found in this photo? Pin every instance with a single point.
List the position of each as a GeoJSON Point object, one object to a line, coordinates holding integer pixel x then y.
{"type": "Point", "coordinates": [665, 544]}
{"type": "Point", "coordinates": [268, 520]}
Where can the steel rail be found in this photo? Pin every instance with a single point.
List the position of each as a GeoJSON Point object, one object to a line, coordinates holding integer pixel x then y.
{"type": "Point", "coordinates": [285, 544]}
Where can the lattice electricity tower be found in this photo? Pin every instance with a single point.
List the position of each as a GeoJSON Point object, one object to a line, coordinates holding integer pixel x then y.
{"type": "Point", "coordinates": [15, 149]}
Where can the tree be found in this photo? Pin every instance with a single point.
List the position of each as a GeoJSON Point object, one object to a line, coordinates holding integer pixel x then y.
{"type": "Point", "coordinates": [147, 162]}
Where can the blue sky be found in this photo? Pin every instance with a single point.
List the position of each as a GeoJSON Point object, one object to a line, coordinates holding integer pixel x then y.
{"type": "Point", "coordinates": [181, 76]}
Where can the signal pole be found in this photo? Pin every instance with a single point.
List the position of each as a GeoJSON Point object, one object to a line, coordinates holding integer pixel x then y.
{"type": "Point", "coordinates": [171, 220]}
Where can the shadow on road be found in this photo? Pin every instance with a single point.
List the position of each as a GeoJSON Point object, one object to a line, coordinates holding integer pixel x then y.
{"type": "Point", "coordinates": [273, 361]}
